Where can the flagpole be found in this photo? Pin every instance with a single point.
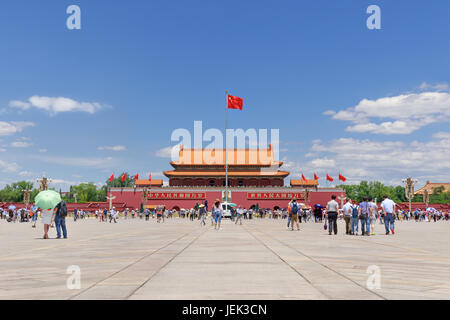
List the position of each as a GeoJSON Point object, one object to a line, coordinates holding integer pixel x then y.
{"type": "Point", "coordinates": [226, 153]}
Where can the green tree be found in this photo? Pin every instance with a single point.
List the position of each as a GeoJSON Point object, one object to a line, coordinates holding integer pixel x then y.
{"type": "Point", "coordinates": [14, 192]}
{"type": "Point", "coordinates": [374, 189]}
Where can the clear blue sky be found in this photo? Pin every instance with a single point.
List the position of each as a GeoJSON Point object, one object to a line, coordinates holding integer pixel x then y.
{"type": "Point", "coordinates": [154, 66]}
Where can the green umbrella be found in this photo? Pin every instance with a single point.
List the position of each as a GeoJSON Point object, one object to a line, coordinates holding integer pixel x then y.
{"type": "Point", "coordinates": [232, 205]}
{"type": "Point", "coordinates": [48, 199]}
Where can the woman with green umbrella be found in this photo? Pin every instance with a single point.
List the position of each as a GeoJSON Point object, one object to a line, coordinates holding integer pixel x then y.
{"type": "Point", "coordinates": [47, 201]}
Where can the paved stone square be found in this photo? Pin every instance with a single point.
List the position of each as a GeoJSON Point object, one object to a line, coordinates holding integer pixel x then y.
{"type": "Point", "coordinates": [179, 259]}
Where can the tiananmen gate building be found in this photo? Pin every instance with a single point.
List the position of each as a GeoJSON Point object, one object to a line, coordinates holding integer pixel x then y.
{"type": "Point", "coordinates": [199, 175]}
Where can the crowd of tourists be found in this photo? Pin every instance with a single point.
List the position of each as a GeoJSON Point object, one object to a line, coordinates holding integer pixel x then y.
{"type": "Point", "coordinates": [360, 217]}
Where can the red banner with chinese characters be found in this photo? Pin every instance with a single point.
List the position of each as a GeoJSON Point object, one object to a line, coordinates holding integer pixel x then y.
{"type": "Point", "coordinates": [177, 195]}
{"type": "Point", "coordinates": [275, 196]}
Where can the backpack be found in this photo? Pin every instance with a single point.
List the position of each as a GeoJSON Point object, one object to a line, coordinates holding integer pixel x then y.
{"type": "Point", "coordinates": [354, 211]}
{"type": "Point", "coordinates": [294, 209]}
{"type": "Point", "coordinates": [62, 209]}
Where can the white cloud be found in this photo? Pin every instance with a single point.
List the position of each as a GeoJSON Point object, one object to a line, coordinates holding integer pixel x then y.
{"type": "Point", "coordinates": [55, 105]}
{"type": "Point", "coordinates": [42, 150]}
{"type": "Point", "coordinates": [442, 135]}
{"type": "Point", "coordinates": [28, 174]}
{"type": "Point", "coordinates": [8, 166]}
{"type": "Point", "coordinates": [21, 144]}
{"type": "Point", "coordinates": [10, 128]}
{"type": "Point", "coordinates": [2, 150]}
{"type": "Point", "coordinates": [385, 161]}
{"type": "Point", "coordinates": [168, 152]}
{"type": "Point", "coordinates": [77, 161]}
{"type": "Point", "coordinates": [323, 163]}
{"type": "Point", "coordinates": [113, 148]}
{"type": "Point", "coordinates": [437, 86]}
{"type": "Point", "coordinates": [405, 113]}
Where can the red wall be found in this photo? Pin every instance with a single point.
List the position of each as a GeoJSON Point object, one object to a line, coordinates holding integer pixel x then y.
{"type": "Point", "coordinates": [133, 199]}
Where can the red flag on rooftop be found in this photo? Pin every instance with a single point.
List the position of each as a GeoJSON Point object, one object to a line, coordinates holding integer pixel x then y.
{"type": "Point", "coordinates": [124, 177]}
{"type": "Point", "coordinates": [303, 177]}
{"type": "Point", "coordinates": [316, 177]}
{"type": "Point", "coordinates": [136, 177]}
{"type": "Point", "coordinates": [111, 178]}
{"type": "Point", "coordinates": [342, 178]}
{"type": "Point", "coordinates": [235, 103]}
{"type": "Point", "coordinates": [329, 178]}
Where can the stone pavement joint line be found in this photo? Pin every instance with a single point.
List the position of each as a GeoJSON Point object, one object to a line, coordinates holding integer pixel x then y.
{"type": "Point", "coordinates": [129, 266]}
{"type": "Point", "coordinates": [179, 259]}
{"type": "Point", "coordinates": [171, 259]}
{"type": "Point", "coordinates": [319, 282]}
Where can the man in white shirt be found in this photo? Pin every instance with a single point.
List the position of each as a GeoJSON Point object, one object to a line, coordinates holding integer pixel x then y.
{"type": "Point", "coordinates": [112, 215]}
{"type": "Point", "coordinates": [388, 207]}
{"type": "Point", "coordinates": [240, 212]}
{"type": "Point", "coordinates": [347, 210]}
{"type": "Point", "coordinates": [332, 212]}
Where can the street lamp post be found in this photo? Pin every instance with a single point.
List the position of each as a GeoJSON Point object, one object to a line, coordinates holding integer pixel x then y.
{"type": "Point", "coordinates": [307, 197]}
{"type": "Point", "coordinates": [426, 198]}
{"type": "Point", "coordinates": [144, 197]}
{"type": "Point", "coordinates": [409, 189]}
{"type": "Point", "coordinates": [43, 183]}
{"type": "Point", "coordinates": [26, 197]}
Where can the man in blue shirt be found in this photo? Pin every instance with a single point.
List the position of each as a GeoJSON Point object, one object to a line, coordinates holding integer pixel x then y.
{"type": "Point", "coordinates": [364, 211]}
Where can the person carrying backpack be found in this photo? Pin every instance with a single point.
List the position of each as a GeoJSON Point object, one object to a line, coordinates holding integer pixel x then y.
{"type": "Point", "coordinates": [294, 214]}
{"type": "Point", "coordinates": [354, 218]}
{"type": "Point", "coordinates": [60, 219]}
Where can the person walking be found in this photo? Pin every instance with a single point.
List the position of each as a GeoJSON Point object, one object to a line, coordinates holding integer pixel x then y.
{"type": "Point", "coordinates": [354, 218]}
{"type": "Point", "coordinates": [112, 215]}
{"type": "Point", "coordinates": [289, 214]}
{"type": "Point", "coordinates": [47, 217]}
{"type": "Point", "coordinates": [34, 217]}
{"type": "Point", "coordinates": [388, 207]}
{"type": "Point", "coordinates": [294, 214]}
{"type": "Point", "coordinates": [60, 219]}
{"type": "Point", "coordinates": [239, 214]}
{"type": "Point", "coordinates": [373, 211]}
{"type": "Point", "coordinates": [217, 212]}
{"type": "Point", "coordinates": [332, 210]}
{"type": "Point", "coordinates": [347, 210]}
{"type": "Point", "coordinates": [202, 213]}
{"type": "Point", "coordinates": [364, 217]}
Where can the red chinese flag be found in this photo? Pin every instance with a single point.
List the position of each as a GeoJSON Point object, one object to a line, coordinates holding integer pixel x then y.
{"type": "Point", "coordinates": [235, 103]}
{"type": "Point", "coordinates": [150, 176]}
{"type": "Point", "coordinates": [124, 177]}
{"type": "Point", "coordinates": [136, 177]}
{"type": "Point", "coordinates": [329, 178]}
{"type": "Point", "coordinates": [303, 177]}
{"type": "Point", "coordinates": [342, 178]}
{"type": "Point", "coordinates": [316, 177]}
{"type": "Point", "coordinates": [111, 178]}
